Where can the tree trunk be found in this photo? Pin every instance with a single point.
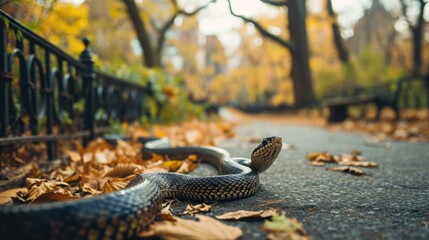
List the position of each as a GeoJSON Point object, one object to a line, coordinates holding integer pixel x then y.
{"type": "Point", "coordinates": [301, 74]}
{"type": "Point", "coordinates": [149, 57]}
{"type": "Point", "coordinates": [417, 31]}
{"type": "Point", "coordinates": [343, 52]}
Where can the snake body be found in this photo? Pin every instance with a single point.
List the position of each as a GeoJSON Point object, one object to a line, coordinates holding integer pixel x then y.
{"type": "Point", "coordinates": [125, 213]}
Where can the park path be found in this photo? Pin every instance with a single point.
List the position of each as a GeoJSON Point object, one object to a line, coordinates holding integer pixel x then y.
{"type": "Point", "coordinates": [393, 203]}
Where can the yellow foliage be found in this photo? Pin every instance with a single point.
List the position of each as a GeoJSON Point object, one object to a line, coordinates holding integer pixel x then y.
{"type": "Point", "coordinates": [65, 26]}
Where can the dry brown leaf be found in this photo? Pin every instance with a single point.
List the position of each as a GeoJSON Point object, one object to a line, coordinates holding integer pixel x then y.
{"type": "Point", "coordinates": [6, 196]}
{"type": "Point", "coordinates": [166, 207]}
{"type": "Point", "coordinates": [321, 157]}
{"type": "Point", "coordinates": [38, 187]}
{"type": "Point", "coordinates": [53, 197]}
{"type": "Point", "coordinates": [358, 164]}
{"type": "Point", "coordinates": [249, 214]}
{"type": "Point", "coordinates": [111, 186]}
{"type": "Point", "coordinates": [166, 213]}
{"type": "Point", "coordinates": [192, 209]}
{"type": "Point", "coordinates": [206, 228]}
{"type": "Point", "coordinates": [123, 170]}
{"type": "Point", "coordinates": [317, 164]}
{"type": "Point", "coordinates": [280, 227]}
{"type": "Point", "coordinates": [351, 170]}
{"type": "Point", "coordinates": [89, 190]}
{"type": "Point", "coordinates": [19, 160]}
{"type": "Point", "coordinates": [74, 156]}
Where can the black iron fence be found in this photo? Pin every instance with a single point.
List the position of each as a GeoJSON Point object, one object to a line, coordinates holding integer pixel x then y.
{"type": "Point", "coordinates": [47, 95]}
{"type": "Point", "coordinates": [411, 93]}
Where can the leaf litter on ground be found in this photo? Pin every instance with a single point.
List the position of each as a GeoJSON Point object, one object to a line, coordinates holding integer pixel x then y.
{"type": "Point", "coordinates": [349, 161]}
{"type": "Point", "coordinates": [103, 168]}
{"type": "Point", "coordinates": [205, 228]}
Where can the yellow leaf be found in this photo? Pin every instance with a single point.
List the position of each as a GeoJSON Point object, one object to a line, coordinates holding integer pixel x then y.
{"type": "Point", "coordinates": [172, 165]}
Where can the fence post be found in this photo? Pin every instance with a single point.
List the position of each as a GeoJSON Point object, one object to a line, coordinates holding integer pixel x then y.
{"type": "Point", "coordinates": [426, 78]}
{"type": "Point", "coordinates": [5, 81]}
{"type": "Point", "coordinates": [88, 77]}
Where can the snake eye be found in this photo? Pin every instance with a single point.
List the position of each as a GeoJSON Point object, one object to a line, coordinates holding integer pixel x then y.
{"type": "Point", "coordinates": [265, 141]}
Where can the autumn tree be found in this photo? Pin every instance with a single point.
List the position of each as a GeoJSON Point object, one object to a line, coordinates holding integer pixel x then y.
{"type": "Point", "coordinates": [416, 27]}
{"type": "Point", "coordinates": [28, 10]}
{"type": "Point", "coordinates": [297, 45]}
{"type": "Point", "coordinates": [152, 50]}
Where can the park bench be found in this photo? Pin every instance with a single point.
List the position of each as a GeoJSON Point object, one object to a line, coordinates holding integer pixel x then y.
{"type": "Point", "coordinates": [382, 95]}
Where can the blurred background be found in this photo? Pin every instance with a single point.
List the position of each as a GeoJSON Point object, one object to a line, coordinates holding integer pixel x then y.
{"type": "Point", "coordinates": [243, 53]}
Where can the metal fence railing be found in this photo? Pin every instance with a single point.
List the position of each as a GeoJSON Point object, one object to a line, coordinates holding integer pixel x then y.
{"type": "Point", "coordinates": [47, 95]}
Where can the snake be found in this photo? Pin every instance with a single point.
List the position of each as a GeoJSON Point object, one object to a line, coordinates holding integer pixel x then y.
{"type": "Point", "coordinates": [125, 213]}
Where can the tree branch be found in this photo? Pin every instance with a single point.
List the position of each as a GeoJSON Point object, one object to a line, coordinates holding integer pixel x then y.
{"type": "Point", "coordinates": [141, 32]}
{"type": "Point", "coordinates": [277, 3]}
{"type": "Point", "coordinates": [167, 25]}
{"type": "Point", "coordinates": [153, 24]}
{"type": "Point", "coordinates": [404, 9]}
{"type": "Point", "coordinates": [162, 32]}
{"type": "Point", "coordinates": [181, 11]}
{"type": "Point", "coordinates": [262, 31]}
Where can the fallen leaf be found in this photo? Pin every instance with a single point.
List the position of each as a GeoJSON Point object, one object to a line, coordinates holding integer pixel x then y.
{"type": "Point", "coordinates": [186, 167]}
{"type": "Point", "coordinates": [111, 186]}
{"type": "Point", "coordinates": [53, 197]}
{"type": "Point", "coordinates": [249, 214]}
{"type": "Point", "coordinates": [172, 165]}
{"type": "Point", "coordinates": [206, 228]}
{"type": "Point", "coordinates": [124, 170]}
{"type": "Point", "coordinates": [321, 157]}
{"type": "Point", "coordinates": [166, 213]}
{"type": "Point", "coordinates": [37, 187]}
{"type": "Point", "coordinates": [281, 227]}
{"type": "Point", "coordinates": [351, 170]}
{"type": "Point", "coordinates": [317, 164]}
{"type": "Point", "coordinates": [192, 209]}
{"type": "Point", "coordinates": [6, 196]}
{"type": "Point", "coordinates": [74, 156]}
{"type": "Point", "coordinates": [358, 164]}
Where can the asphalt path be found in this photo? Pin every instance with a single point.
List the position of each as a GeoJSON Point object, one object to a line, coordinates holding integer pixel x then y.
{"type": "Point", "coordinates": [392, 203]}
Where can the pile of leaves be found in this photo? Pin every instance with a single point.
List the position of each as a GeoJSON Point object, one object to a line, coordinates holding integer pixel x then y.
{"type": "Point", "coordinates": [413, 126]}
{"type": "Point", "coordinates": [349, 161]}
{"type": "Point", "coordinates": [101, 167]}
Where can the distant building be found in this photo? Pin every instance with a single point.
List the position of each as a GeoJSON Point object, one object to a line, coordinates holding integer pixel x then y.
{"type": "Point", "coordinates": [375, 29]}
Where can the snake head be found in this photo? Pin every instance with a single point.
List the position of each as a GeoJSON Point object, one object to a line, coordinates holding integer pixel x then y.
{"type": "Point", "coordinates": [265, 153]}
